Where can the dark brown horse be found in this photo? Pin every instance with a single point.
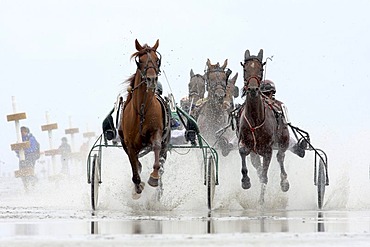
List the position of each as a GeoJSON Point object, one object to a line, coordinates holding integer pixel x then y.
{"type": "Point", "coordinates": [260, 130]}
{"type": "Point", "coordinates": [197, 87]}
{"type": "Point", "coordinates": [143, 122]}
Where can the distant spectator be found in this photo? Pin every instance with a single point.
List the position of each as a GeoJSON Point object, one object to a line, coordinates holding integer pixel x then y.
{"type": "Point", "coordinates": [32, 154]}
{"type": "Point", "coordinates": [65, 155]}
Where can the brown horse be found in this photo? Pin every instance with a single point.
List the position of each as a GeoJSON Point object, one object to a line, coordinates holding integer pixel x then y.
{"type": "Point", "coordinates": [144, 122]}
{"type": "Point", "coordinates": [213, 114]}
{"type": "Point", "coordinates": [260, 130]}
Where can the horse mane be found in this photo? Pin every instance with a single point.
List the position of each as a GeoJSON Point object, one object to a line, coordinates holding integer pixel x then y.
{"type": "Point", "coordinates": [129, 81]}
{"type": "Point", "coordinates": [146, 48]}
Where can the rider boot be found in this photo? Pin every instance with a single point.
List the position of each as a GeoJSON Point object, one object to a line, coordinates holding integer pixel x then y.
{"type": "Point", "coordinates": [108, 128]}
{"type": "Point", "coordinates": [300, 147]}
{"type": "Point", "coordinates": [225, 146]}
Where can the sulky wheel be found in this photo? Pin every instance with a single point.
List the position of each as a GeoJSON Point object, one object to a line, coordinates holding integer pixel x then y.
{"type": "Point", "coordinates": [210, 181]}
{"type": "Point", "coordinates": [95, 180]}
{"type": "Point", "coordinates": [321, 184]}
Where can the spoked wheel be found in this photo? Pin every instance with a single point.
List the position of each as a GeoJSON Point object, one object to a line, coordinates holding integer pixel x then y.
{"type": "Point", "coordinates": [211, 181]}
{"type": "Point", "coordinates": [95, 179]}
{"type": "Point", "coordinates": [321, 184]}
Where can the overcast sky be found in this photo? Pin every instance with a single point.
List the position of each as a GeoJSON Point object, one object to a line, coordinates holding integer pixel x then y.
{"type": "Point", "coordinates": [69, 58]}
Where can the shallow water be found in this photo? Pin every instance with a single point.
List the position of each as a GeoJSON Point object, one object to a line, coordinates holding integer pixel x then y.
{"type": "Point", "coordinates": [43, 222]}
{"type": "Point", "coordinates": [59, 212]}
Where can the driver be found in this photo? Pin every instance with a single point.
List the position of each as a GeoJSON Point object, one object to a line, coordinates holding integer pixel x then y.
{"type": "Point", "coordinates": [269, 90]}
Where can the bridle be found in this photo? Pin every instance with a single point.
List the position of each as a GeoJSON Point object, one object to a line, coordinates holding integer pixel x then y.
{"type": "Point", "coordinates": [150, 84]}
{"type": "Point", "coordinates": [249, 78]}
{"type": "Point", "coordinates": [218, 83]}
{"type": "Point", "coordinates": [148, 64]}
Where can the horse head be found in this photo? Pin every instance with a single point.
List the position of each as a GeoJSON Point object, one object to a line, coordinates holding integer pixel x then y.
{"type": "Point", "coordinates": [196, 87]}
{"type": "Point", "coordinates": [232, 91]}
{"type": "Point", "coordinates": [148, 62]}
{"type": "Point", "coordinates": [253, 72]}
{"type": "Point", "coordinates": [216, 80]}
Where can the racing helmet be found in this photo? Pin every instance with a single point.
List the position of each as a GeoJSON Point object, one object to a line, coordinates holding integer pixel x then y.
{"type": "Point", "coordinates": [268, 86]}
{"type": "Point", "coordinates": [159, 88]}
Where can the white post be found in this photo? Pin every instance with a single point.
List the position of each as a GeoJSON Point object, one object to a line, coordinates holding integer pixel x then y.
{"type": "Point", "coordinates": [72, 135]}
{"type": "Point", "coordinates": [17, 129]}
{"type": "Point", "coordinates": [19, 146]}
{"type": "Point", "coordinates": [51, 146]}
{"type": "Point", "coordinates": [49, 127]}
{"type": "Point", "coordinates": [71, 131]}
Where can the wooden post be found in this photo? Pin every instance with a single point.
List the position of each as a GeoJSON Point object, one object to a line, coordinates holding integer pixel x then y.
{"type": "Point", "coordinates": [20, 145]}
{"type": "Point", "coordinates": [72, 131]}
{"type": "Point", "coordinates": [88, 134]}
{"type": "Point", "coordinates": [49, 127]}
{"type": "Point", "coordinates": [84, 149]}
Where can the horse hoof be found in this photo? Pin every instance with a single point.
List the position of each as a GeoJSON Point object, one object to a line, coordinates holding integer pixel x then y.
{"type": "Point", "coordinates": [246, 183]}
{"type": "Point", "coordinates": [153, 181]}
{"type": "Point", "coordinates": [136, 192]}
{"type": "Point", "coordinates": [263, 180]}
{"type": "Point", "coordinates": [135, 195]}
{"type": "Point", "coordinates": [284, 184]}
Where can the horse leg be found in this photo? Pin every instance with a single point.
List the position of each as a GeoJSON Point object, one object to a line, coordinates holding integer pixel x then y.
{"type": "Point", "coordinates": [136, 169]}
{"type": "Point", "coordinates": [246, 182]}
{"type": "Point", "coordinates": [284, 183]}
{"type": "Point", "coordinates": [256, 162]}
{"type": "Point", "coordinates": [154, 176]}
{"type": "Point", "coordinates": [162, 158]}
{"type": "Point", "coordinates": [265, 167]}
{"type": "Point", "coordinates": [263, 175]}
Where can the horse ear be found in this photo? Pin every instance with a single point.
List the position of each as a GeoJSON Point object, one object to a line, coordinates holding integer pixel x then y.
{"type": "Point", "coordinates": [260, 55]}
{"type": "Point", "coordinates": [246, 55]}
{"type": "Point", "coordinates": [191, 73]}
{"type": "Point", "coordinates": [156, 45]}
{"type": "Point", "coordinates": [208, 62]}
{"type": "Point", "coordinates": [234, 78]}
{"type": "Point", "coordinates": [225, 64]}
{"type": "Point", "coordinates": [236, 92]}
{"type": "Point", "coordinates": [138, 46]}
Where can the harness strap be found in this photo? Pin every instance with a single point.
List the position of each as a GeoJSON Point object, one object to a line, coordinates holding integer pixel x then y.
{"type": "Point", "coordinates": [252, 129]}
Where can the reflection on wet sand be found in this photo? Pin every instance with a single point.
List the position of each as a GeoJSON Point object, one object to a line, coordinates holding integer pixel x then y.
{"type": "Point", "coordinates": [320, 222]}
{"type": "Point", "coordinates": [215, 223]}
{"type": "Point", "coordinates": [190, 223]}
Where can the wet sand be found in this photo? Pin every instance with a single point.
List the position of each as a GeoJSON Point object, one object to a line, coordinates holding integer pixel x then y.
{"type": "Point", "coordinates": [59, 213]}
{"type": "Point", "coordinates": [43, 227]}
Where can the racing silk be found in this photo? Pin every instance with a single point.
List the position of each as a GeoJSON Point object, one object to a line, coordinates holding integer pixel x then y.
{"type": "Point", "coordinates": [274, 103]}
{"type": "Point", "coordinates": [32, 152]}
{"type": "Point", "coordinates": [33, 144]}
{"type": "Point", "coordinates": [279, 109]}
